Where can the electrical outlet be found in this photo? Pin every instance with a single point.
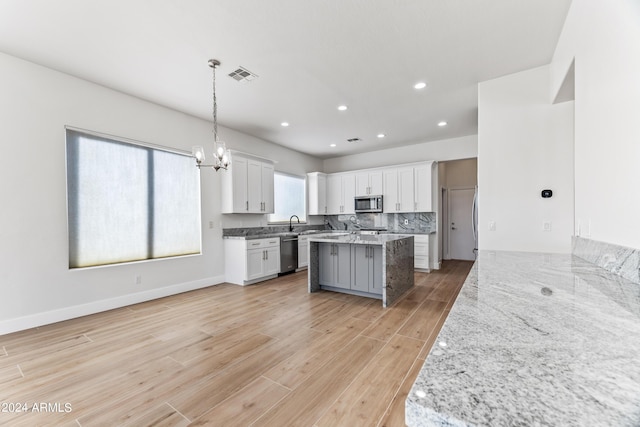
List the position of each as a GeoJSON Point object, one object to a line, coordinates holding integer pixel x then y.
{"type": "Point", "coordinates": [210, 224]}
{"type": "Point", "coordinates": [406, 222]}
{"type": "Point", "coordinates": [492, 226]}
{"type": "Point", "coordinates": [138, 279]}
{"type": "Point", "coordinates": [546, 226]}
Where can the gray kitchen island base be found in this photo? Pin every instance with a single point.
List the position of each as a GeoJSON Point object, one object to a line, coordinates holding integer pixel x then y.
{"type": "Point", "coordinates": [396, 259]}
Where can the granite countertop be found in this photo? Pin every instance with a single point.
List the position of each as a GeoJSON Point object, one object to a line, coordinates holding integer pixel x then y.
{"type": "Point", "coordinates": [534, 339]}
{"type": "Point", "coordinates": [267, 235]}
{"type": "Point", "coordinates": [358, 239]}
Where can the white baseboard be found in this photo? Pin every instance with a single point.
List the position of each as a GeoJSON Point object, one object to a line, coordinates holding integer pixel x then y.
{"type": "Point", "coordinates": [45, 318]}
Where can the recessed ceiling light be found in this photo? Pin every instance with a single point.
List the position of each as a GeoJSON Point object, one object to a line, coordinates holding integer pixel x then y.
{"type": "Point", "coordinates": [420, 85]}
{"type": "Point", "coordinates": [442, 123]}
{"type": "Point", "coordinates": [284, 124]}
{"type": "Point", "coordinates": [332, 145]}
{"type": "Point", "coordinates": [342, 107]}
{"type": "Point", "coordinates": [381, 135]}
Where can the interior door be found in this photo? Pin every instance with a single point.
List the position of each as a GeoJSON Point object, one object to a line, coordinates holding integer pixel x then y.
{"type": "Point", "coordinates": [461, 240]}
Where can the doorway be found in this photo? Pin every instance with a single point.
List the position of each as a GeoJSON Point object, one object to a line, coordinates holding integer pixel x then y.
{"type": "Point", "coordinates": [459, 227]}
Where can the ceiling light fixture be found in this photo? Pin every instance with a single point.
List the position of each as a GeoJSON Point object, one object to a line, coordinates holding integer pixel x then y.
{"type": "Point", "coordinates": [221, 156]}
{"type": "Point", "coordinates": [342, 107]}
{"type": "Point", "coordinates": [381, 135]}
{"type": "Point", "coordinates": [332, 145]}
{"type": "Point", "coordinates": [420, 85]}
{"type": "Point", "coordinates": [442, 123]}
{"type": "Point", "coordinates": [284, 124]}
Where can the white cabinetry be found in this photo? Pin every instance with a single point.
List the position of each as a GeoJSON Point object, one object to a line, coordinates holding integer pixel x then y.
{"type": "Point", "coordinates": [247, 187]}
{"type": "Point", "coordinates": [367, 269]}
{"type": "Point", "coordinates": [303, 251]}
{"type": "Point", "coordinates": [334, 265]}
{"type": "Point", "coordinates": [424, 182]}
{"type": "Point", "coordinates": [369, 183]}
{"type": "Point", "coordinates": [421, 252]}
{"type": "Point", "coordinates": [317, 193]}
{"type": "Point", "coordinates": [340, 194]}
{"type": "Point", "coordinates": [399, 190]}
{"type": "Point", "coordinates": [250, 261]}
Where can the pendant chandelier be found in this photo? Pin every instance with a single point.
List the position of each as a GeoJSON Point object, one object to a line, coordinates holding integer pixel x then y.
{"type": "Point", "coordinates": [221, 155]}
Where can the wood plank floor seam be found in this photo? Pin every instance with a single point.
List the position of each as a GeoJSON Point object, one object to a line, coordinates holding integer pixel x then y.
{"type": "Point", "coordinates": [270, 354]}
{"type": "Point", "coordinates": [181, 414]}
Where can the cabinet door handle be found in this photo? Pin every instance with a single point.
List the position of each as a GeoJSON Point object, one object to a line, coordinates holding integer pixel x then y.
{"type": "Point", "coordinates": [247, 204]}
{"type": "Point", "coordinates": [266, 254]}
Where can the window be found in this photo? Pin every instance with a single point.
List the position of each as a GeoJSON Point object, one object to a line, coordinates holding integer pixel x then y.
{"type": "Point", "coordinates": [289, 197]}
{"type": "Point", "coordinates": [129, 202]}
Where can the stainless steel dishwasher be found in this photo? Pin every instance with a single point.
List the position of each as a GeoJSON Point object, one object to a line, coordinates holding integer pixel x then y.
{"type": "Point", "coordinates": [288, 253]}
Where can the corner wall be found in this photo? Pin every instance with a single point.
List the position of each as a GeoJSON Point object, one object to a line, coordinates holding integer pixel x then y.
{"type": "Point", "coordinates": [603, 38]}
{"type": "Point", "coordinates": [525, 145]}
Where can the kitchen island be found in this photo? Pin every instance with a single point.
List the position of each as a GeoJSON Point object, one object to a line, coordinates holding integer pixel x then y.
{"type": "Point", "coordinates": [534, 339]}
{"type": "Point", "coordinates": [377, 266]}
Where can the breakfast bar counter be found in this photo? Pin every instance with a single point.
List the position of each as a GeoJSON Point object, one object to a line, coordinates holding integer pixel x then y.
{"type": "Point", "coordinates": [534, 339]}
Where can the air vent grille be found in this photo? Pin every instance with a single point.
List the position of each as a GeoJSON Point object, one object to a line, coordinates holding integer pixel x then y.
{"type": "Point", "coordinates": [354, 140]}
{"type": "Point", "coordinates": [243, 75]}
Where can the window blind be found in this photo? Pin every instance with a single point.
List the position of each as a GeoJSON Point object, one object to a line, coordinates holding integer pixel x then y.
{"type": "Point", "coordinates": [129, 202]}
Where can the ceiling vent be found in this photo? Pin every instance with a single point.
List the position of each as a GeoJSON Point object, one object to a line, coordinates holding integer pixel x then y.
{"type": "Point", "coordinates": [243, 75]}
{"type": "Point", "coordinates": [353, 140]}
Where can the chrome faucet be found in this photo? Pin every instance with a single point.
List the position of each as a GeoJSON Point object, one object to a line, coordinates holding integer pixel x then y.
{"type": "Point", "coordinates": [291, 226]}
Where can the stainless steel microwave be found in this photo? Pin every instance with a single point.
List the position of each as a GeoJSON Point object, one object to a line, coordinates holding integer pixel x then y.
{"type": "Point", "coordinates": [368, 203]}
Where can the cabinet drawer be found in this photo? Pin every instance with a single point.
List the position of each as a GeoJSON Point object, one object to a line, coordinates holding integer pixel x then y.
{"type": "Point", "coordinates": [421, 238]}
{"type": "Point", "coordinates": [262, 243]}
{"type": "Point", "coordinates": [421, 249]}
{"type": "Point", "coordinates": [421, 262]}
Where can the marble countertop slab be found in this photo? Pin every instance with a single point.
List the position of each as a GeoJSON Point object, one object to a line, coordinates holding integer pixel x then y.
{"type": "Point", "coordinates": [357, 239]}
{"type": "Point", "coordinates": [534, 340]}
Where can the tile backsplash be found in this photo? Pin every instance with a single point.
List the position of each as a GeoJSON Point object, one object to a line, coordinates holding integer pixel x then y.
{"type": "Point", "coordinates": [419, 222]}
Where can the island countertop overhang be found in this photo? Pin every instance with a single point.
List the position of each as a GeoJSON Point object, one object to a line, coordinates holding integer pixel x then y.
{"type": "Point", "coordinates": [534, 339]}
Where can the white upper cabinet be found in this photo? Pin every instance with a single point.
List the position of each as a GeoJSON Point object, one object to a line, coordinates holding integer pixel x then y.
{"type": "Point", "coordinates": [247, 187]}
{"type": "Point", "coordinates": [317, 193]}
{"type": "Point", "coordinates": [424, 186]}
{"type": "Point", "coordinates": [405, 188]}
{"type": "Point", "coordinates": [398, 190]}
{"type": "Point", "coordinates": [369, 183]}
{"type": "Point", "coordinates": [267, 187]}
{"type": "Point", "coordinates": [340, 194]}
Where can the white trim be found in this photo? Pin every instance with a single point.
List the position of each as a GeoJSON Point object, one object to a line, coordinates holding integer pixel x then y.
{"type": "Point", "coordinates": [53, 316]}
{"type": "Point", "coordinates": [129, 141]}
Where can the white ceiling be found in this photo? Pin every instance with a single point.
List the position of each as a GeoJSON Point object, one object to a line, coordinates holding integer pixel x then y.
{"type": "Point", "coordinates": [310, 56]}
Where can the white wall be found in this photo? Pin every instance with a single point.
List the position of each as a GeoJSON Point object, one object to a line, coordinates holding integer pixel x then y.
{"type": "Point", "coordinates": [603, 38]}
{"type": "Point", "coordinates": [37, 286]}
{"type": "Point", "coordinates": [525, 145]}
{"type": "Point", "coordinates": [446, 149]}
{"type": "Point", "coordinates": [286, 160]}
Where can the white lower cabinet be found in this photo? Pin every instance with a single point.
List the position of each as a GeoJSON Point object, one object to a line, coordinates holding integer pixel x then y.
{"type": "Point", "coordinates": [335, 265]}
{"type": "Point", "coordinates": [250, 261]}
{"type": "Point", "coordinates": [303, 251]}
{"type": "Point", "coordinates": [367, 269]}
{"type": "Point", "coordinates": [421, 251]}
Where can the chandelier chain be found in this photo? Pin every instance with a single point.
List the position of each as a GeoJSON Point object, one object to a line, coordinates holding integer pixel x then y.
{"type": "Point", "coordinates": [215, 107]}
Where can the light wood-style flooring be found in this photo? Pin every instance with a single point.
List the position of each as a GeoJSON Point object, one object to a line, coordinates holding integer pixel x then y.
{"type": "Point", "coordinates": [270, 354]}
